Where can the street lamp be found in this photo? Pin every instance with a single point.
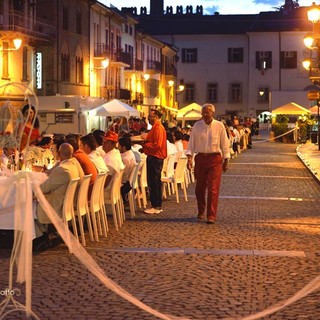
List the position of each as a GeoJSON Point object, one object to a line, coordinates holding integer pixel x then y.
{"type": "Point", "coordinates": [312, 42]}
{"type": "Point", "coordinates": [17, 42]}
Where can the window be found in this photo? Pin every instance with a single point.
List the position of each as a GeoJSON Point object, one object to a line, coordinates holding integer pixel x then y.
{"type": "Point", "coordinates": [263, 95]}
{"type": "Point", "coordinates": [288, 59]}
{"type": "Point", "coordinates": [212, 92]}
{"type": "Point", "coordinates": [235, 55]}
{"type": "Point", "coordinates": [126, 28]}
{"type": "Point", "coordinates": [131, 31]}
{"type": "Point", "coordinates": [65, 67]}
{"type": "Point", "coordinates": [189, 55]}
{"type": "Point", "coordinates": [79, 70]}
{"type": "Point", "coordinates": [118, 39]}
{"type": "Point", "coordinates": [189, 92]}
{"type": "Point", "coordinates": [263, 60]}
{"type": "Point", "coordinates": [236, 93]}
{"type": "Point", "coordinates": [79, 23]}
{"type": "Point", "coordinates": [65, 18]}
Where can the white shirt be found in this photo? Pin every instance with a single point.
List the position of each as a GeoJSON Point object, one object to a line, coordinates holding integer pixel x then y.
{"type": "Point", "coordinates": [98, 161]}
{"type": "Point", "coordinates": [171, 148]}
{"type": "Point", "coordinates": [113, 161]}
{"type": "Point", "coordinates": [129, 160]}
{"type": "Point", "coordinates": [210, 138]}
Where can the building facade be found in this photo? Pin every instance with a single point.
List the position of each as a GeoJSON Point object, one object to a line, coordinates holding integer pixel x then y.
{"type": "Point", "coordinates": [244, 64]}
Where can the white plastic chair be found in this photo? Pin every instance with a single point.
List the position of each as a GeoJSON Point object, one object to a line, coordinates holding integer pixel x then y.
{"type": "Point", "coordinates": [83, 208]}
{"type": "Point", "coordinates": [131, 194]}
{"type": "Point", "coordinates": [113, 198]}
{"type": "Point", "coordinates": [179, 177]}
{"type": "Point", "coordinates": [68, 206]}
{"type": "Point", "coordinates": [95, 207]}
{"type": "Point", "coordinates": [143, 183]}
{"type": "Point", "coordinates": [169, 173]}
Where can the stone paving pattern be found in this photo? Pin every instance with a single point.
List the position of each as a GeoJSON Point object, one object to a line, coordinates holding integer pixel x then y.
{"type": "Point", "coordinates": [264, 247]}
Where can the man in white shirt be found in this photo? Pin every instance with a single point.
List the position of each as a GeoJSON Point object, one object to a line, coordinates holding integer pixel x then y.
{"type": "Point", "coordinates": [112, 158]}
{"type": "Point", "coordinates": [211, 145]}
{"type": "Point", "coordinates": [129, 160]}
{"type": "Point", "coordinates": [88, 144]}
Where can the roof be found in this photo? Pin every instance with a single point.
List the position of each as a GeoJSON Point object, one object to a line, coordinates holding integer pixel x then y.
{"type": "Point", "coordinates": [188, 24]}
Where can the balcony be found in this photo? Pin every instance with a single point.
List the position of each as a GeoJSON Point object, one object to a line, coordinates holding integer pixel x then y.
{"type": "Point", "coordinates": [101, 50]}
{"type": "Point", "coordinates": [138, 98]}
{"type": "Point", "coordinates": [170, 71]}
{"type": "Point", "coordinates": [138, 65]}
{"type": "Point", "coordinates": [37, 29]}
{"type": "Point", "coordinates": [124, 94]}
{"type": "Point", "coordinates": [153, 66]}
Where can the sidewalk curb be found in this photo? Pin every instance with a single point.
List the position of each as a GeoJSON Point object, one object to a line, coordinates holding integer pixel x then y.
{"type": "Point", "coordinates": [310, 157]}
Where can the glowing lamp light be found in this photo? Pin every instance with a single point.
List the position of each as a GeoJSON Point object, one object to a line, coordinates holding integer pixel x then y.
{"type": "Point", "coordinates": [170, 83]}
{"type": "Point", "coordinates": [309, 41]}
{"type": "Point", "coordinates": [181, 87]}
{"type": "Point", "coordinates": [105, 63]}
{"type": "Point", "coordinates": [314, 13]}
{"type": "Point", "coordinates": [17, 43]}
{"type": "Point", "coordinates": [306, 64]}
{"type": "Point", "coordinates": [146, 76]}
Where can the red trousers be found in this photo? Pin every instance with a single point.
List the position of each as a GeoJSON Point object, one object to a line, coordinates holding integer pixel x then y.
{"type": "Point", "coordinates": [208, 171]}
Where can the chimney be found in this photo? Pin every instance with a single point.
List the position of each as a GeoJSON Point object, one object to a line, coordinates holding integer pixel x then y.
{"type": "Point", "coordinates": [156, 7]}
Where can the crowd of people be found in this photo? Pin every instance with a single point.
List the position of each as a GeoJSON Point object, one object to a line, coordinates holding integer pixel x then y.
{"type": "Point", "coordinates": [209, 145]}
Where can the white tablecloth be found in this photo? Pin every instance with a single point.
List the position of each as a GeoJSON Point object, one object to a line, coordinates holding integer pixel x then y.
{"type": "Point", "coordinates": [8, 199]}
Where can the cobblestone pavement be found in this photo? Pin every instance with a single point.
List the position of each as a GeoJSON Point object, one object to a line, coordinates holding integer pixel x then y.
{"type": "Point", "coordinates": [263, 248]}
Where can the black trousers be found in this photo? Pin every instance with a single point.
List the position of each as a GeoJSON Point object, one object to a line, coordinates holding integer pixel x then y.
{"type": "Point", "coordinates": [154, 168]}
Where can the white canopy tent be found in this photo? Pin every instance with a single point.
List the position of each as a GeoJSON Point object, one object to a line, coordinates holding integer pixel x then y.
{"type": "Point", "coordinates": [115, 108]}
{"type": "Point", "coordinates": [291, 108]}
{"type": "Point", "coordinates": [189, 112]}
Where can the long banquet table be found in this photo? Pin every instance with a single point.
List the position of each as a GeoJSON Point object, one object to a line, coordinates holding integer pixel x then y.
{"type": "Point", "coordinates": [9, 197]}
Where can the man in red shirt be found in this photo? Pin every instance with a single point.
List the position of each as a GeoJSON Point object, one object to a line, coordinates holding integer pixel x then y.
{"type": "Point", "coordinates": [155, 147]}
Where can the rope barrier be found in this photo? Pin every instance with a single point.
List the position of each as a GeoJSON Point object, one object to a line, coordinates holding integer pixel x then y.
{"type": "Point", "coordinates": [273, 138]}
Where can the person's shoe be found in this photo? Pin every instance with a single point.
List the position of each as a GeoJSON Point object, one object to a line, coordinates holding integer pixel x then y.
{"type": "Point", "coordinates": [210, 221]}
{"type": "Point", "coordinates": [201, 216]}
{"type": "Point", "coordinates": [153, 211]}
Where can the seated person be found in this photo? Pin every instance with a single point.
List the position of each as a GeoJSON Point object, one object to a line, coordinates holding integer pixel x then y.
{"type": "Point", "coordinates": [89, 145]}
{"type": "Point", "coordinates": [55, 187]}
{"type": "Point", "coordinates": [129, 160]}
{"type": "Point", "coordinates": [112, 157]}
{"type": "Point", "coordinates": [85, 162]}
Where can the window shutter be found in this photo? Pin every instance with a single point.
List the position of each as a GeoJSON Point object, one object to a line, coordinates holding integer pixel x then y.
{"type": "Point", "coordinates": [258, 62]}
{"type": "Point", "coordinates": [229, 55]}
{"type": "Point", "coordinates": [183, 55]}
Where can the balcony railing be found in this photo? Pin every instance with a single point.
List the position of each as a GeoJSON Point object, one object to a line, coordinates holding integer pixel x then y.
{"type": "Point", "coordinates": [125, 94]}
{"type": "Point", "coordinates": [170, 71]}
{"type": "Point", "coordinates": [138, 65]}
{"type": "Point", "coordinates": [101, 50]}
{"type": "Point", "coordinates": [154, 66]}
{"type": "Point", "coordinates": [37, 29]}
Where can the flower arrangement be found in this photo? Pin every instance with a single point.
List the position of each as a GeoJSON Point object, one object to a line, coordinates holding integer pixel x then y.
{"type": "Point", "coordinates": [38, 156]}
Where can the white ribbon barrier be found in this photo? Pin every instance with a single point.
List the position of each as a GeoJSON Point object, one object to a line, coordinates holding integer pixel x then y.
{"type": "Point", "coordinates": [26, 182]}
{"type": "Point", "coordinates": [23, 248]}
{"type": "Point", "coordinates": [273, 138]}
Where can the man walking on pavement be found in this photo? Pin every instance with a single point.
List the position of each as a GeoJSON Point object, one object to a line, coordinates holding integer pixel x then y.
{"type": "Point", "coordinates": [155, 147]}
{"type": "Point", "coordinates": [210, 143]}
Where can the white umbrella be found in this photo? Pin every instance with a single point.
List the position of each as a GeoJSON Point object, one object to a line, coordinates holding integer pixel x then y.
{"type": "Point", "coordinates": [116, 108]}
